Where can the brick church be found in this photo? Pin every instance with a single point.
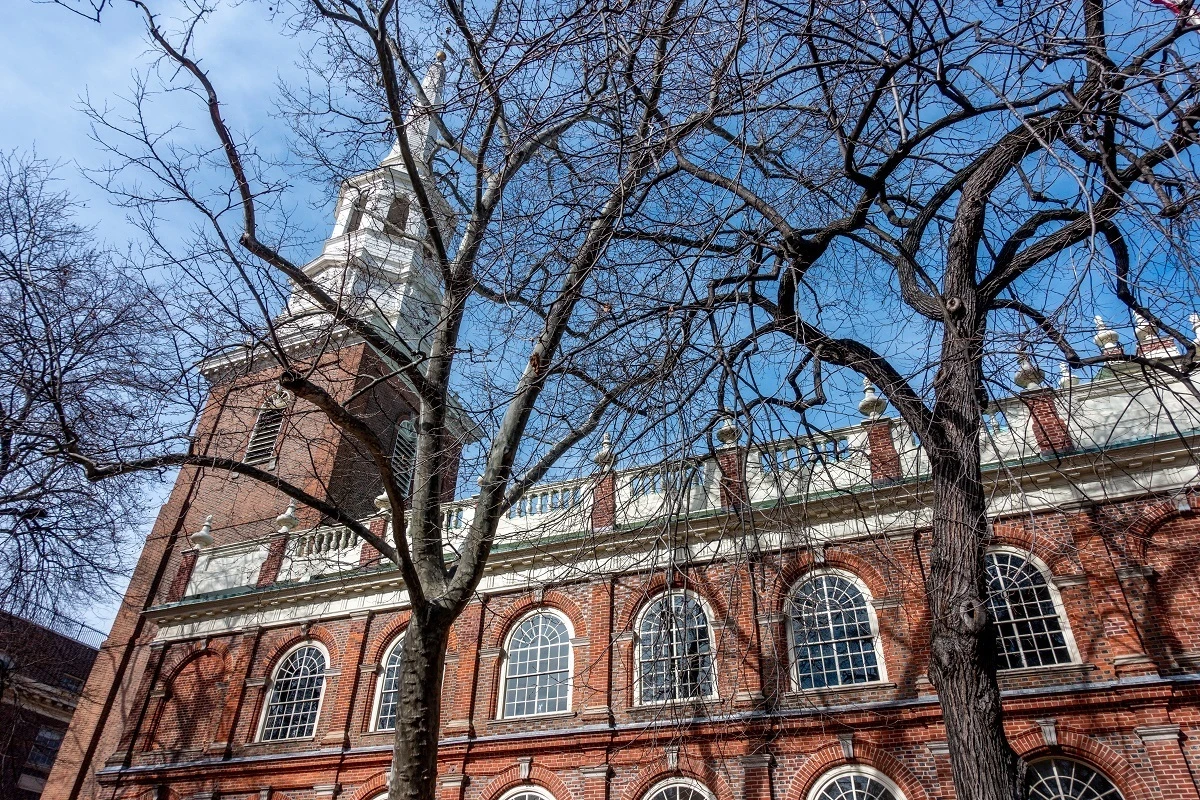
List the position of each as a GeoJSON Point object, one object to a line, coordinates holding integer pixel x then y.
{"type": "Point", "coordinates": [746, 625]}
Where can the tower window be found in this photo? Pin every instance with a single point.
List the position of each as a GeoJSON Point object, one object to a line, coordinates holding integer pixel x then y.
{"type": "Point", "coordinates": [265, 434]}
{"type": "Point", "coordinates": [404, 453]}
{"type": "Point", "coordinates": [397, 217]}
{"type": "Point", "coordinates": [357, 209]}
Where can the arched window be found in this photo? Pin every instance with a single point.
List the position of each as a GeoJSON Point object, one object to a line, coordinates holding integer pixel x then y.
{"type": "Point", "coordinates": [679, 789]}
{"type": "Point", "coordinates": [855, 783]}
{"type": "Point", "coordinates": [833, 633]}
{"type": "Point", "coordinates": [397, 216]}
{"type": "Point", "coordinates": [1029, 625]}
{"type": "Point", "coordinates": [1062, 779]}
{"type": "Point", "coordinates": [389, 687]}
{"type": "Point", "coordinates": [527, 793]}
{"type": "Point", "coordinates": [295, 698]}
{"type": "Point", "coordinates": [358, 208]}
{"type": "Point", "coordinates": [537, 667]}
{"type": "Point", "coordinates": [675, 650]}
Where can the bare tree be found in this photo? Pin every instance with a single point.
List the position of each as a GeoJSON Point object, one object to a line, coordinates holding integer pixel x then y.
{"type": "Point", "coordinates": [924, 194]}
{"type": "Point", "coordinates": [76, 337]}
{"type": "Point", "coordinates": [548, 326]}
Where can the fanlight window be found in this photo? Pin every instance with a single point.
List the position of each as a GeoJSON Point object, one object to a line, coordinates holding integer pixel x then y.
{"type": "Point", "coordinates": [295, 695]}
{"type": "Point", "coordinates": [678, 791]}
{"type": "Point", "coordinates": [538, 668]}
{"type": "Point", "coordinates": [855, 786]}
{"type": "Point", "coordinates": [1061, 779]}
{"type": "Point", "coordinates": [832, 637]}
{"type": "Point", "coordinates": [675, 650]}
{"type": "Point", "coordinates": [1028, 625]}
{"type": "Point", "coordinates": [389, 688]}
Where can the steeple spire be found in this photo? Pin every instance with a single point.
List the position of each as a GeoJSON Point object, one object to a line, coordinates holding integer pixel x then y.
{"type": "Point", "coordinates": [419, 120]}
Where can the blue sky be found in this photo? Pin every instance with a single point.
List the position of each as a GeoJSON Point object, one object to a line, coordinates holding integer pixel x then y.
{"type": "Point", "coordinates": [51, 60]}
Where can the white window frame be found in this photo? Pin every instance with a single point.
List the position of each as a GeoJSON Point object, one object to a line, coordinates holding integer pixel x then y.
{"type": "Point", "coordinates": [527, 788]}
{"type": "Point", "coordinates": [381, 673]}
{"type": "Point", "coordinates": [876, 639]}
{"type": "Point", "coordinates": [853, 769]}
{"type": "Point", "coordinates": [269, 688]}
{"type": "Point", "coordinates": [666, 783]}
{"type": "Point", "coordinates": [637, 651]}
{"type": "Point", "coordinates": [1055, 597]}
{"type": "Point", "coordinates": [1080, 762]}
{"type": "Point", "coordinates": [501, 691]}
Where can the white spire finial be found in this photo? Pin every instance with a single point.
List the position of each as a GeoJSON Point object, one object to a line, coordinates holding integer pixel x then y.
{"type": "Point", "coordinates": [1028, 376]}
{"type": "Point", "coordinates": [728, 433]}
{"type": "Point", "coordinates": [1143, 329]}
{"type": "Point", "coordinates": [1065, 378]}
{"type": "Point", "coordinates": [203, 538]}
{"type": "Point", "coordinates": [1106, 338]}
{"type": "Point", "coordinates": [605, 458]}
{"type": "Point", "coordinates": [1194, 319]}
{"type": "Point", "coordinates": [872, 405]}
{"type": "Point", "coordinates": [418, 122]}
{"type": "Point", "coordinates": [287, 520]}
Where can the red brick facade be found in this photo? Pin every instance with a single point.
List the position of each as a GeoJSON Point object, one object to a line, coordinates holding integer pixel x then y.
{"type": "Point", "coordinates": [183, 711]}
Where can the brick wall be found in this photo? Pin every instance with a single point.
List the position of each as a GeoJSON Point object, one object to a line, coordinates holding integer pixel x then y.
{"type": "Point", "coordinates": [759, 738]}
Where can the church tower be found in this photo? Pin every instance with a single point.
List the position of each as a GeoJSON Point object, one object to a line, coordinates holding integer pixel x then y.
{"type": "Point", "coordinates": [223, 534]}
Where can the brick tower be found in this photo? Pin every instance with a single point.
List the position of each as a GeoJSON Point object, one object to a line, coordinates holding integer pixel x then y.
{"type": "Point", "coordinates": [208, 538]}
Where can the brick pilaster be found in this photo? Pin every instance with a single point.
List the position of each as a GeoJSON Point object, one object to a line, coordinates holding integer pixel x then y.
{"type": "Point", "coordinates": [143, 702]}
{"type": "Point", "coordinates": [595, 782]}
{"type": "Point", "coordinates": [235, 695]}
{"type": "Point", "coordinates": [458, 691]}
{"type": "Point", "coordinates": [179, 583]}
{"type": "Point", "coordinates": [730, 462]}
{"type": "Point", "coordinates": [347, 683]}
{"type": "Point", "coordinates": [604, 501]}
{"type": "Point", "coordinates": [1051, 432]}
{"type": "Point", "coordinates": [276, 550]}
{"type": "Point", "coordinates": [368, 555]}
{"type": "Point", "coordinates": [598, 672]}
{"type": "Point", "coordinates": [756, 776]}
{"type": "Point", "coordinates": [1165, 751]}
{"type": "Point", "coordinates": [881, 450]}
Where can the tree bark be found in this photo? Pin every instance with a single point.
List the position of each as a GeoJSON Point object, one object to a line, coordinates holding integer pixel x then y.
{"type": "Point", "coordinates": [963, 639]}
{"type": "Point", "coordinates": [419, 705]}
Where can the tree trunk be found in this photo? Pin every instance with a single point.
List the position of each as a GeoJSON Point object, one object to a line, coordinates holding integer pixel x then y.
{"type": "Point", "coordinates": [419, 706]}
{"type": "Point", "coordinates": [963, 640]}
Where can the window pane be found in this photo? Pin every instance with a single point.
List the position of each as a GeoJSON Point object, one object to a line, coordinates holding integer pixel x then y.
{"type": "Point", "coordinates": [832, 640]}
{"type": "Point", "coordinates": [389, 690]}
{"type": "Point", "coordinates": [538, 674]}
{"type": "Point", "coordinates": [295, 696]}
{"type": "Point", "coordinates": [1060, 779]}
{"type": "Point", "coordinates": [855, 787]}
{"type": "Point", "coordinates": [675, 651]}
{"type": "Point", "coordinates": [1028, 627]}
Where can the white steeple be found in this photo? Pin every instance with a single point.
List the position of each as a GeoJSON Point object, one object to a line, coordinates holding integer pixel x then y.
{"type": "Point", "coordinates": [418, 123]}
{"type": "Point", "coordinates": [374, 261]}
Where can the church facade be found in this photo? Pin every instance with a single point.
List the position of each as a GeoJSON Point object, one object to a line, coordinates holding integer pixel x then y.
{"type": "Point", "coordinates": [746, 625]}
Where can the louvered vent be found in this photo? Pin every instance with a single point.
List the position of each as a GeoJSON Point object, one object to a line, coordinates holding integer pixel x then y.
{"type": "Point", "coordinates": [264, 435]}
{"type": "Point", "coordinates": [404, 453]}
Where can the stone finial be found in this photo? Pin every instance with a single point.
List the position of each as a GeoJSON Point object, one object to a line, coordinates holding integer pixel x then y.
{"type": "Point", "coordinates": [1194, 319]}
{"type": "Point", "coordinates": [203, 538]}
{"type": "Point", "coordinates": [287, 521]}
{"type": "Point", "coordinates": [1066, 379]}
{"type": "Point", "coordinates": [383, 505]}
{"type": "Point", "coordinates": [728, 433]}
{"type": "Point", "coordinates": [1143, 329]}
{"type": "Point", "coordinates": [605, 457]}
{"type": "Point", "coordinates": [1108, 340]}
{"type": "Point", "coordinates": [1028, 375]}
{"type": "Point", "coordinates": [872, 405]}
